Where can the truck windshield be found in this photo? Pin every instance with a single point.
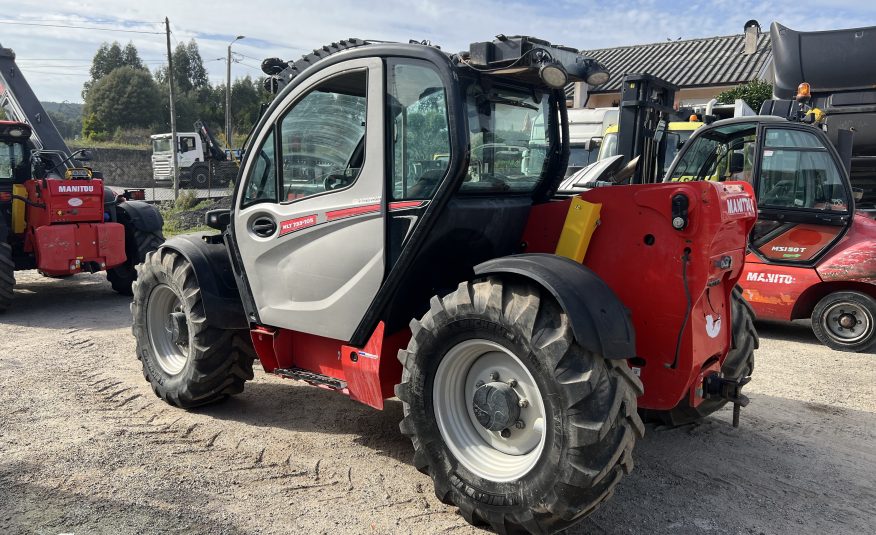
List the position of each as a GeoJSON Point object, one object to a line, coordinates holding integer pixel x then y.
{"type": "Point", "coordinates": [12, 160]}
{"type": "Point", "coordinates": [161, 145]}
{"type": "Point", "coordinates": [509, 140]}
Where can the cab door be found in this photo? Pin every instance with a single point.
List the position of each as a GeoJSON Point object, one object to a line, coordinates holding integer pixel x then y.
{"type": "Point", "coordinates": [804, 198]}
{"type": "Point", "coordinates": [310, 225]}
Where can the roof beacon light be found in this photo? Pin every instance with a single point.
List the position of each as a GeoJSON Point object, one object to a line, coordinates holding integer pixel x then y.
{"type": "Point", "coordinates": [803, 91]}
{"type": "Point", "coordinates": [693, 118]}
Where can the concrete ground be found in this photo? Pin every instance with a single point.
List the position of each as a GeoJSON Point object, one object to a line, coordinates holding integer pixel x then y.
{"type": "Point", "coordinates": [85, 447]}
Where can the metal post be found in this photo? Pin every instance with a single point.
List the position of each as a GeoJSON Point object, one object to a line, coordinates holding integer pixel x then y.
{"type": "Point", "coordinates": [228, 134]}
{"type": "Point", "coordinates": [173, 141]}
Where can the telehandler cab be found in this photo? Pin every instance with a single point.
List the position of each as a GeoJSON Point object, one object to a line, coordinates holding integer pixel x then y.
{"type": "Point", "coordinates": [381, 185]}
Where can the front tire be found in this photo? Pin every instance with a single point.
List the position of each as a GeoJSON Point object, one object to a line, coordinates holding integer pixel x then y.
{"type": "Point", "coordinates": [187, 361]}
{"type": "Point", "coordinates": [477, 356]}
{"type": "Point", "coordinates": [7, 277]}
{"type": "Point", "coordinates": [200, 176]}
{"type": "Point", "coordinates": [845, 321]}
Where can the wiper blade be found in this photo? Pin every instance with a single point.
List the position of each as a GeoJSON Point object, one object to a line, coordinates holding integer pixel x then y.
{"type": "Point", "coordinates": [511, 102]}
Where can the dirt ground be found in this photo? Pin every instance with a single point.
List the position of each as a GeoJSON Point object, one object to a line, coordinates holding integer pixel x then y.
{"type": "Point", "coordinates": [85, 447]}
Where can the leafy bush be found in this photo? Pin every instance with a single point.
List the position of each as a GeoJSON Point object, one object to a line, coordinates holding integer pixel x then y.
{"type": "Point", "coordinates": [754, 93]}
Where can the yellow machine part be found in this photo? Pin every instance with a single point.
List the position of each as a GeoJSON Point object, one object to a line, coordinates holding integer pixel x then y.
{"type": "Point", "coordinates": [581, 222]}
{"type": "Point", "coordinates": [18, 209]}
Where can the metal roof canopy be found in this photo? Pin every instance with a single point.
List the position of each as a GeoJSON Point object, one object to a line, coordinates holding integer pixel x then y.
{"type": "Point", "coordinates": [713, 61]}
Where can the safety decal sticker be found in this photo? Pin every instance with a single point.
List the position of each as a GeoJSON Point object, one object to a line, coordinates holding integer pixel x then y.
{"type": "Point", "coordinates": [713, 325]}
{"type": "Point", "coordinates": [294, 225]}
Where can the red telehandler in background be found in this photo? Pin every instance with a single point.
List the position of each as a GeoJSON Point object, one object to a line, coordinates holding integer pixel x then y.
{"type": "Point", "coordinates": [56, 215]}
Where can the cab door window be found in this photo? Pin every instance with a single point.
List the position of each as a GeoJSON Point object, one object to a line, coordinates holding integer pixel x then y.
{"type": "Point", "coordinates": [322, 138]}
{"type": "Point", "coordinates": [798, 172]}
{"type": "Point", "coordinates": [420, 150]}
{"type": "Point", "coordinates": [261, 183]}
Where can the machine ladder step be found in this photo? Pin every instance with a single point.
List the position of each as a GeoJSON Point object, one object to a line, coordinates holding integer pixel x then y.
{"type": "Point", "coordinates": [311, 377]}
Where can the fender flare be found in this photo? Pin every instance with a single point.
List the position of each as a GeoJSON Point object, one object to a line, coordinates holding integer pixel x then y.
{"type": "Point", "coordinates": [215, 277]}
{"type": "Point", "coordinates": [142, 215]}
{"type": "Point", "coordinates": [600, 321]}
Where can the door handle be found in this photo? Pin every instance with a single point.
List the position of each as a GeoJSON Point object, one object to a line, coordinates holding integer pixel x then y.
{"type": "Point", "coordinates": [263, 227]}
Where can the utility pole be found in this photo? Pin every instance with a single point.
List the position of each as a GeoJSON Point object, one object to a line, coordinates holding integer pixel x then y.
{"type": "Point", "coordinates": [173, 143]}
{"type": "Point", "coordinates": [228, 94]}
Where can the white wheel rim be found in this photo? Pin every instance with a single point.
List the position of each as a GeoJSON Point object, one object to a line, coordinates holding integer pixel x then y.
{"type": "Point", "coordinates": [171, 356]}
{"type": "Point", "coordinates": [483, 452]}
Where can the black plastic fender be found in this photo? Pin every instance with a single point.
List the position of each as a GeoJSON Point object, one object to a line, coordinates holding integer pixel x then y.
{"type": "Point", "coordinates": [212, 267]}
{"type": "Point", "coordinates": [142, 215]}
{"type": "Point", "coordinates": [600, 321]}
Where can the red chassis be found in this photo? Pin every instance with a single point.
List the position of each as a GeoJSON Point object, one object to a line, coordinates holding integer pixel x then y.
{"type": "Point", "coordinates": [679, 341]}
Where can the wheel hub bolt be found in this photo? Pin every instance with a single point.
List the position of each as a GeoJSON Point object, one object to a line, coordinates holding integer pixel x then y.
{"type": "Point", "coordinates": [494, 376]}
{"type": "Point", "coordinates": [520, 424]}
{"type": "Point", "coordinates": [523, 404]}
{"type": "Point", "coordinates": [512, 383]}
{"type": "Point", "coordinates": [506, 433]}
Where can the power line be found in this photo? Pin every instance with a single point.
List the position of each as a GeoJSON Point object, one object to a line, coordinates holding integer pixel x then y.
{"type": "Point", "coordinates": [17, 23]}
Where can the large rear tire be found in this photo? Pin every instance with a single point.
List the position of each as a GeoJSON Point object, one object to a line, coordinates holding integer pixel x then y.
{"type": "Point", "coordinates": [516, 423]}
{"type": "Point", "coordinates": [187, 361]}
{"type": "Point", "coordinates": [200, 176]}
{"type": "Point", "coordinates": [122, 277]}
{"type": "Point", "coordinates": [738, 365]}
{"type": "Point", "coordinates": [7, 277]}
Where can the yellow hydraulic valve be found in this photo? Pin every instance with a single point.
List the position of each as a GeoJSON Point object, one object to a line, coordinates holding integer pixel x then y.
{"type": "Point", "coordinates": [581, 222]}
{"type": "Point", "coordinates": [18, 209]}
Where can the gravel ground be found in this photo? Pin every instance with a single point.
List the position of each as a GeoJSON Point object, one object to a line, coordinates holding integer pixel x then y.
{"type": "Point", "coordinates": [85, 447]}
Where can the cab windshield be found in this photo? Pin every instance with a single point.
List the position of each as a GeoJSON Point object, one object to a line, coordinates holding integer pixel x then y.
{"type": "Point", "coordinates": [13, 161]}
{"type": "Point", "coordinates": [725, 153]}
{"type": "Point", "coordinates": [608, 147]}
{"type": "Point", "coordinates": [508, 139]}
{"type": "Point", "coordinates": [161, 145]}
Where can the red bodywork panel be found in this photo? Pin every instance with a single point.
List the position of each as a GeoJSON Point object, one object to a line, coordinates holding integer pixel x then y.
{"type": "Point", "coordinates": [775, 291]}
{"type": "Point", "coordinates": [371, 372]}
{"type": "Point", "coordinates": [63, 249]}
{"type": "Point", "coordinates": [636, 251]}
{"type": "Point", "coordinates": [648, 278]}
{"type": "Point", "coordinates": [66, 229]}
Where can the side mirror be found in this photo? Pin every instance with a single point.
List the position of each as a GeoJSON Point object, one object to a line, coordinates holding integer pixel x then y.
{"type": "Point", "coordinates": [84, 155]}
{"type": "Point", "coordinates": [218, 219]}
{"type": "Point", "coordinates": [737, 162]}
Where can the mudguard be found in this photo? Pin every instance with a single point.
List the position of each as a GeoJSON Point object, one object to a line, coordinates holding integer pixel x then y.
{"type": "Point", "coordinates": [212, 267]}
{"type": "Point", "coordinates": [142, 215]}
{"type": "Point", "coordinates": [600, 322]}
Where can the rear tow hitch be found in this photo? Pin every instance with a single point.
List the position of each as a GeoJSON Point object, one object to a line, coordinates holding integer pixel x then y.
{"type": "Point", "coordinates": [716, 386]}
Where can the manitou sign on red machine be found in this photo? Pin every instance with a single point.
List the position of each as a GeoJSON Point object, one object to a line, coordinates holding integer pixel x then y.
{"type": "Point", "coordinates": [395, 231]}
{"type": "Point", "coordinates": [56, 216]}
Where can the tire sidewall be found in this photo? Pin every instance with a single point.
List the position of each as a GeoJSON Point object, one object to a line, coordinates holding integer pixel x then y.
{"type": "Point", "coordinates": [538, 481]}
{"type": "Point", "coordinates": [200, 171]}
{"type": "Point", "coordinates": [149, 279]}
{"type": "Point", "coordinates": [826, 337]}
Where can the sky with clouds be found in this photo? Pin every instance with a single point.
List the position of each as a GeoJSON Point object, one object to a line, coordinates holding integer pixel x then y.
{"type": "Point", "coordinates": [55, 59]}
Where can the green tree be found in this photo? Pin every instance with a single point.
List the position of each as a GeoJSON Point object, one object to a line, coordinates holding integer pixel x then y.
{"type": "Point", "coordinates": [754, 93]}
{"type": "Point", "coordinates": [189, 73]}
{"type": "Point", "coordinates": [108, 58]}
{"type": "Point", "coordinates": [125, 98]}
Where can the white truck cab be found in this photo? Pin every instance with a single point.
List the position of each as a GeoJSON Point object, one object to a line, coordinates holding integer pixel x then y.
{"type": "Point", "coordinates": [190, 156]}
